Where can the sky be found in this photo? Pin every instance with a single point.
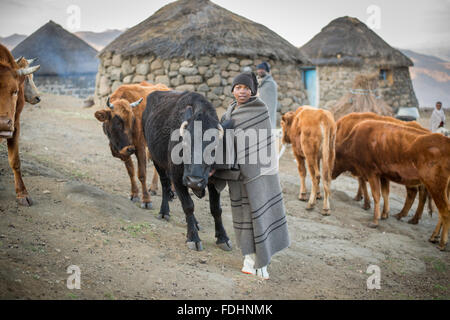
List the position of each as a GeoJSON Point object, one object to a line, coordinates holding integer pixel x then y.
{"type": "Point", "coordinates": [402, 23]}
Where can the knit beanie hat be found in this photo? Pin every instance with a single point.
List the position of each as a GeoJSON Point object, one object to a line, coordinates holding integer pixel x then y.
{"type": "Point", "coordinates": [264, 65]}
{"type": "Point", "coordinates": [248, 79]}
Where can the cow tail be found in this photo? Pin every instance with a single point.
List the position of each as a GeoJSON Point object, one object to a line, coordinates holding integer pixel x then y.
{"type": "Point", "coordinates": [328, 152]}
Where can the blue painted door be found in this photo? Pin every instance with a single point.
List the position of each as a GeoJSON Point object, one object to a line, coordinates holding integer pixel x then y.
{"type": "Point", "coordinates": [311, 86]}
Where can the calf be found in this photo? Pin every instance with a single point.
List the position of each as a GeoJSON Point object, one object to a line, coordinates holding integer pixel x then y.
{"type": "Point", "coordinates": [170, 112]}
{"type": "Point", "coordinates": [122, 124]}
{"type": "Point", "coordinates": [344, 126]}
{"type": "Point", "coordinates": [377, 150]}
{"type": "Point", "coordinates": [12, 100]}
{"type": "Point", "coordinates": [312, 134]}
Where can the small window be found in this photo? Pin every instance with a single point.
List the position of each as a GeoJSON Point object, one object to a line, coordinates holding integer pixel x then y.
{"type": "Point", "coordinates": [383, 74]}
{"type": "Point", "coordinates": [386, 75]}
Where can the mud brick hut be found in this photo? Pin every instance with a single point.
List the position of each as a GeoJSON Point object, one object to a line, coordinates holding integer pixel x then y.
{"type": "Point", "coordinates": [345, 48]}
{"type": "Point", "coordinates": [60, 52]}
{"type": "Point", "coordinates": [199, 46]}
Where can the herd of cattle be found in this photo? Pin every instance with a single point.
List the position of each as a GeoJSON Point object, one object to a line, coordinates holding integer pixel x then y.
{"type": "Point", "coordinates": [140, 118]}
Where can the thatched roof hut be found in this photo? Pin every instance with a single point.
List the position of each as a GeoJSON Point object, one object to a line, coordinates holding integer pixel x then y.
{"type": "Point", "coordinates": [198, 45]}
{"type": "Point", "coordinates": [59, 51]}
{"type": "Point", "coordinates": [347, 47]}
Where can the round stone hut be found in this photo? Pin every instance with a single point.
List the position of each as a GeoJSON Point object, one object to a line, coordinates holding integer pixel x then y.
{"type": "Point", "coordinates": [345, 48]}
{"type": "Point", "coordinates": [199, 46]}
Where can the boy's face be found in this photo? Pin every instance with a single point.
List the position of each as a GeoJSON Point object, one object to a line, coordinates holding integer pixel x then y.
{"type": "Point", "coordinates": [241, 93]}
{"type": "Point", "coordinates": [261, 73]}
{"type": "Point", "coordinates": [438, 106]}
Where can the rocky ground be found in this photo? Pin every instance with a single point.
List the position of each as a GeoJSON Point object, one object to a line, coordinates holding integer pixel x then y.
{"type": "Point", "coordinates": [82, 216]}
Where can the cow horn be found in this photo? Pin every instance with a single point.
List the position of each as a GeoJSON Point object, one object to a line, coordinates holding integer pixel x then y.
{"type": "Point", "coordinates": [221, 131]}
{"type": "Point", "coordinates": [27, 71]}
{"type": "Point", "coordinates": [30, 61]}
{"type": "Point", "coordinates": [136, 103]}
{"type": "Point", "coordinates": [110, 105]}
{"type": "Point", "coordinates": [183, 126]}
{"type": "Point", "coordinates": [18, 59]}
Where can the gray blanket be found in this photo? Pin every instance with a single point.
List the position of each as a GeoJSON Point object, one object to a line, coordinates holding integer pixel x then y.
{"type": "Point", "coordinates": [257, 206]}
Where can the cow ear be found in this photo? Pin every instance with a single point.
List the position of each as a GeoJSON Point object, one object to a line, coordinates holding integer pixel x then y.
{"type": "Point", "coordinates": [188, 113]}
{"type": "Point", "coordinates": [103, 115]}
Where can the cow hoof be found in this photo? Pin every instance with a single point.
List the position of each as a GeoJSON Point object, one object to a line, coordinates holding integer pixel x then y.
{"type": "Point", "coordinates": [303, 197]}
{"type": "Point", "coordinates": [373, 225]}
{"type": "Point", "coordinates": [384, 217]}
{"type": "Point", "coordinates": [433, 240]}
{"type": "Point", "coordinates": [225, 246]}
{"type": "Point", "coordinates": [165, 216]}
{"type": "Point", "coordinates": [442, 248]}
{"type": "Point", "coordinates": [309, 207]}
{"type": "Point", "coordinates": [398, 216]}
{"type": "Point", "coordinates": [413, 221]}
{"type": "Point", "coordinates": [25, 201]}
{"type": "Point", "coordinates": [147, 205]}
{"type": "Point", "coordinates": [319, 196]}
{"type": "Point", "coordinates": [358, 198]}
{"type": "Point", "coordinates": [172, 195]}
{"type": "Point", "coordinates": [366, 206]}
{"type": "Point", "coordinates": [197, 246]}
{"type": "Point", "coordinates": [326, 212]}
{"type": "Point", "coordinates": [134, 198]}
{"type": "Point", "coordinates": [152, 192]}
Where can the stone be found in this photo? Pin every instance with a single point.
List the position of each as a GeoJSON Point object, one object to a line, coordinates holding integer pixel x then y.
{"type": "Point", "coordinates": [212, 96]}
{"type": "Point", "coordinates": [134, 61]}
{"type": "Point", "coordinates": [209, 73]}
{"type": "Point", "coordinates": [193, 79]}
{"type": "Point", "coordinates": [159, 72]}
{"type": "Point", "coordinates": [116, 74]}
{"type": "Point", "coordinates": [286, 102]}
{"type": "Point", "coordinates": [233, 67]}
{"type": "Point", "coordinates": [216, 103]}
{"type": "Point", "coordinates": [187, 63]}
{"type": "Point", "coordinates": [142, 69]}
{"type": "Point", "coordinates": [151, 77]}
{"type": "Point", "coordinates": [104, 87]}
{"type": "Point", "coordinates": [115, 85]}
{"type": "Point", "coordinates": [246, 62]}
{"type": "Point", "coordinates": [127, 68]}
{"type": "Point", "coordinates": [138, 78]}
{"type": "Point", "coordinates": [202, 70]}
{"type": "Point", "coordinates": [218, 90]}
{"type": "Point", "coordinates": [174, 66]}
{"type": "Point", "coordinates": [227, 91]}
{"type": "Point", "coordinates": [214, 81]}
{"type": "Point", "coordinates": [185, 87]}
{"type": "Point", "coordinates": [117, 60]}
{"type": "Point", "coordinates": [204, 61]}
{"type": "Point", "coordinates": [127, 79]}
{"type": "Point", "coordinates": [222, 63]}
{"type": "Point", "coordinates": [203, 88]}
{"type": "Point", "coordinates": [107, 62]}
{"type": "Point", "coordinates": [232, 59]}
{"type": "Point", "coordinates": [166, 64]}
{"type": "Point", "coordinates": [157, 64]}
{"type": "Point", "coordinates": [173, 74]}
{"type": "Point", "coordinates": [188, 71]}
{"type": "Point", "coordinates": [162, 79]}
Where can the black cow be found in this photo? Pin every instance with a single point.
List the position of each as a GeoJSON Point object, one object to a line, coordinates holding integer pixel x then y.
{"type": "Point", "coordinates": [170, 111]}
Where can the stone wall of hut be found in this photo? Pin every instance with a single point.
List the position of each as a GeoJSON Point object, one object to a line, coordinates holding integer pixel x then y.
{"type": "Point", "coordinates": [336, 81]}
{"type": "Point", "coordinates": [210, 76]}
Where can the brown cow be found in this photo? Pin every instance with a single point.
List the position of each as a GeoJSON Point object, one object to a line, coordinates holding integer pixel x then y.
{"type": "Point", "coordinates": [377, 150]}
{"type": "Point", "coordinates": [344, 126]}
{"type": "Point", "coordinates": [312, 133]}
{"type": "Point", "coordinates": [122, 123]}
{"type": "Point", "coordinates": [12, 100]}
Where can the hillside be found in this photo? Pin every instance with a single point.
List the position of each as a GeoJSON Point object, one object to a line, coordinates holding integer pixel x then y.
{"type": "Point", "coordinates": [13, 40]}
{"type": "Point", "coordinates": [99, 40]}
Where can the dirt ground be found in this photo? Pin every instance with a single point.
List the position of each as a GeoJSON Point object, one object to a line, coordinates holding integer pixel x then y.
{"type": "Point", "coordinates": [82, 216]}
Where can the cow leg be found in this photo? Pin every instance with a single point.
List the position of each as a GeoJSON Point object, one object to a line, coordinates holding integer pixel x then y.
{"type": "Point", "coordinates": [193, 240]}
{"type": "Point", "coordinates": [311, 161]}
{"type": "Point", "coordinates": [318, 195]}
{"type": "Point", "coordinates": [154, 184]}
{"type": "Point", "coordinates": [359, 195]}
{"type": "Point", "coordinates": [411, 193]}
{"type": "Point", "coordinates": [438, 191]}
{"type": "Point", "coordinates": [302, 173]}
{"type": "Point", "coordinates": [385, 194]}
{"type": "Point", "coordinates": [22, 195]}
{"type": "Point", "coordinates": [134, 196]}
{"type": "Point", "coordinates": [223, 241]}
{"type": "Point", "coordinates": [326, 178]}
{"type": "Point", "coordinates": [366, 205]}
{"type": "Point", "coordinates": [164, 211]}
{"type": "Point", "coordinates": [142, 175]}
{"type": "Point", "coordinates": [374, 182]}
{"type": "Point", "coordinates": [423, 194]}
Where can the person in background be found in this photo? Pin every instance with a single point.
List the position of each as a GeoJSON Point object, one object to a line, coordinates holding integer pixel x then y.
{"type": "Point", "coordinates": [437, 117]}
{"type": "Point", "coordinates": [268, 91]}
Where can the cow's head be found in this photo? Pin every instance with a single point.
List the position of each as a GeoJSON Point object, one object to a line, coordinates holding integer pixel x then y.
{"type": "Point", "coordinates": [10, 82]}
{"type": "Point", "coordinates": [31, 92]}
{"type": "Point", "coordinates": [286, 124]}
{"type": "Point", "coordinates": [197, 172]}
{"type": "Point", "coordinates": [118, 123]}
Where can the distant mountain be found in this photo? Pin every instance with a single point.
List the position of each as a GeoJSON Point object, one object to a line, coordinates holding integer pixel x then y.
{"type": "Point", "coordinates": [99, 40]}
{"type": "Point", "coordinates": [431, 79]}
{"type": "Point", "coordinates": [13, 40]}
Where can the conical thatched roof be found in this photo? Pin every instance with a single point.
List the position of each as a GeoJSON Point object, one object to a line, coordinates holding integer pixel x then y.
{"type": "Point", "coordinates": [59, 51]}
{"type": "Point", "coordinates": [192, 28]}
{"type": "Point", "coordinates": [348, 41]}
{"type": "Point", "coordinates": [363, 97]}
